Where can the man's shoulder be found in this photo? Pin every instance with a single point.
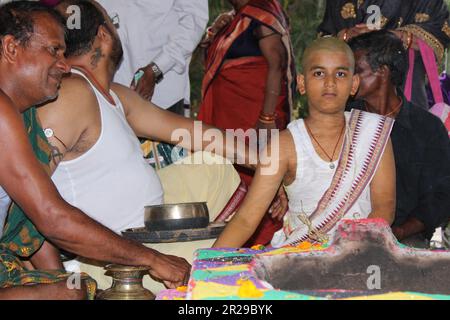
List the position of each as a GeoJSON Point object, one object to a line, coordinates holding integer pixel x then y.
{"type": "Point", "coordinates": [75, 91]}
{"type": "Point", "coordinates": [420, 114]}
{"type": "Point", "coordinates": [423, 120]}
{"type": "Point", "coordinates": [75, 81]}
{"type": "Point", "coordinates": [7, 106]}
{"type": "Point", "coordinates": [4, 99]}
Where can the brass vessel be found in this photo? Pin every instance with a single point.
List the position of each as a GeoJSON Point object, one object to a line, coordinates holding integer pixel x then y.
{"type": "Point", "coordinates": [127, 284]}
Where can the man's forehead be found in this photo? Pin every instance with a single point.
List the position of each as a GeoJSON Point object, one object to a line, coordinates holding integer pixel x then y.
{"type": "Point", "coordinates": [47, 28]}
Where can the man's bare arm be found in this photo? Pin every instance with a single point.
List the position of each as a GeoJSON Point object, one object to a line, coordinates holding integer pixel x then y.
{"type": "Point", "coordinates": [150, 121]}
{"type": "Point", "coordinates": [55, 291]}
{"type": "Point", "coordinates": [382, 187]}
{"type": "Point", "coordinates": [30, 187]}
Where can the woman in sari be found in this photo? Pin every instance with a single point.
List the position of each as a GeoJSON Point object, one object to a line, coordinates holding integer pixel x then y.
{"type": "Point", "coordinates": [249, 76]}
{"type": "Point", "coordinates": [408, 19]}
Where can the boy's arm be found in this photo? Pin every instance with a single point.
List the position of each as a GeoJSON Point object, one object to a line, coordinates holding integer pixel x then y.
{"type": "Point", "coordinates": [266, 182]}
{"type": "Point", "coordinates": [382, 187]}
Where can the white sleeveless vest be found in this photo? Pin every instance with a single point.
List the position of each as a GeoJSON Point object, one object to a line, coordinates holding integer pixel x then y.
{"type": "Point", "coordinates": [5, 201]}
{"type": "Point", "coordinates": [111, 182]}
{"type": "Point", "coordinates": [312, 180]}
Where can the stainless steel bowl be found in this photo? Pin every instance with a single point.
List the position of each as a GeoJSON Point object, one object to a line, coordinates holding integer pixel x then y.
{"type": "Point", "coordinates": [177, 216]}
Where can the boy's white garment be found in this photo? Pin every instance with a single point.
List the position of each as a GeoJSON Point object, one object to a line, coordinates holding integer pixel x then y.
{"type": "Point", "coordinates": [317, 200]}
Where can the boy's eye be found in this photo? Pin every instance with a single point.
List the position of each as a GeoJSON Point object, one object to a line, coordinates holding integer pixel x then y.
{"type": "Point", "coordinates": [318, 73]}
{"type": "Point", "coordinates": [341, 74]}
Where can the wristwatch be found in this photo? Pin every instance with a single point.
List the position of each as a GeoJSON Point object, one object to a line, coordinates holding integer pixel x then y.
{"type": "Point", "coordinates": [157, 72]}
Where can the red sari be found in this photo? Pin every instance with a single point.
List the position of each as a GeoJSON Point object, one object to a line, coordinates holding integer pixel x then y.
{"type": "Point", "coordinates": [233, 91]}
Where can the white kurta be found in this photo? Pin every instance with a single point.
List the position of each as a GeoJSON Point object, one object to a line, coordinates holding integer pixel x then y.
{"type": "Point", "coordinates": [165, 32]}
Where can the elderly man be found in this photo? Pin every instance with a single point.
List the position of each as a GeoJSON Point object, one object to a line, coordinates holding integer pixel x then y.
{"type": "Point", "coordinates": [100, 167]}
{"type": "Point", "coordinates": [31, 68]}
{"type": "Point", "coordinates": [420, 141]}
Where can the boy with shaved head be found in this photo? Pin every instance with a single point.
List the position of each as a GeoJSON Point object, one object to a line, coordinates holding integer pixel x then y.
{"type": "Point", "coordinates": [332, 164]}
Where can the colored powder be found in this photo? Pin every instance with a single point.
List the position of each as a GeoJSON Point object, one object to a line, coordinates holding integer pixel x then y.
{"type": "Point", "coordinates": [182, 289]}
{"type": "Point", "coordinates": [248, 289]}
{"type": "Point", "coordinates": [258, 247]}
{"type": "Point", "coordinates": [305, 245]}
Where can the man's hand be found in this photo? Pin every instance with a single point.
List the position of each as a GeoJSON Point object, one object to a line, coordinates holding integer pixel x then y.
{"type": "Point", "coordinates": [262, 139]}
{"type": "Point", "coordinates": [347, 34]}
{"type": "Point", "coordinates": [263, 125]}
{"type": "Point", "coordinates": [221, 22]}
{"type": "Point", "coordinates": [145, 86]}
{"type": "Point", "coordinates": [279, 206]}
{"type": "Point", "coordinates": [410, 227]}
{"type": "Point", "coordinates": [399, 233]}
{"type": "Point", "coordinates": [172, 270]}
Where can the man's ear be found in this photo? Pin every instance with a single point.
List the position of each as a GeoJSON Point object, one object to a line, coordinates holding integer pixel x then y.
{"type": "Point", "coordinates": [301, 87]}
{"type": "Point", "coordinates": [103, 33]}
{"type": "Point", "coordinates": [355, 84]}
{"type": "Point", "coordinates": [10, 48]}
{"type": "Point", "coordinates": [385, 73]}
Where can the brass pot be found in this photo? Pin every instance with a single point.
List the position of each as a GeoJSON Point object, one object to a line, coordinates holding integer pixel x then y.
{"type": "Point", "coordinates": [127, 284]}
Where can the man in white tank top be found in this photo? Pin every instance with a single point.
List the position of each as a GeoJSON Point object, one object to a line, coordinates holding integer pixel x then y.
{"type": "Point", "coordinates": [93, 128]}
{"type": "Point", "coordinates": [333, 165]}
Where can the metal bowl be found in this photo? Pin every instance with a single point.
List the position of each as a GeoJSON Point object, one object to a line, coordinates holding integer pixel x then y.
{"type": "Point", "coordinates": [177, 216]}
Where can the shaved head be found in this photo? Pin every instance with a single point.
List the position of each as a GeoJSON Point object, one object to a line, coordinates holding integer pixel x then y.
{"type": "Point", "coordinates": [329, 44]}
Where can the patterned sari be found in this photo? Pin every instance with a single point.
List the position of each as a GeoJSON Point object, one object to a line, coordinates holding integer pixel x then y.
{"type": "Point", "coordinates": [233, 90]}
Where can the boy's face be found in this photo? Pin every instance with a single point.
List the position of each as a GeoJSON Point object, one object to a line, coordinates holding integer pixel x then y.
{"type": "Point", "coordinates": [328, 80]}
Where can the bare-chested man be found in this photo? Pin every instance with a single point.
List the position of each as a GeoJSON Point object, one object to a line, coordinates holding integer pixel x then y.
{"type": "Point", "coordinates": [31, 67]}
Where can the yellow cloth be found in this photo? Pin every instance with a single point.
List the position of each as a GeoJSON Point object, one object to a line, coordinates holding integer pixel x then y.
{"type": "Point", "coordinates": [197, 178]}
{"type": "Point", "coordinates": [186, 182]}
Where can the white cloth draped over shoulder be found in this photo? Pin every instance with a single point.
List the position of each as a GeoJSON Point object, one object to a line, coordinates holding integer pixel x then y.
{"type": "Point", "coordinates": [320, 196]}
